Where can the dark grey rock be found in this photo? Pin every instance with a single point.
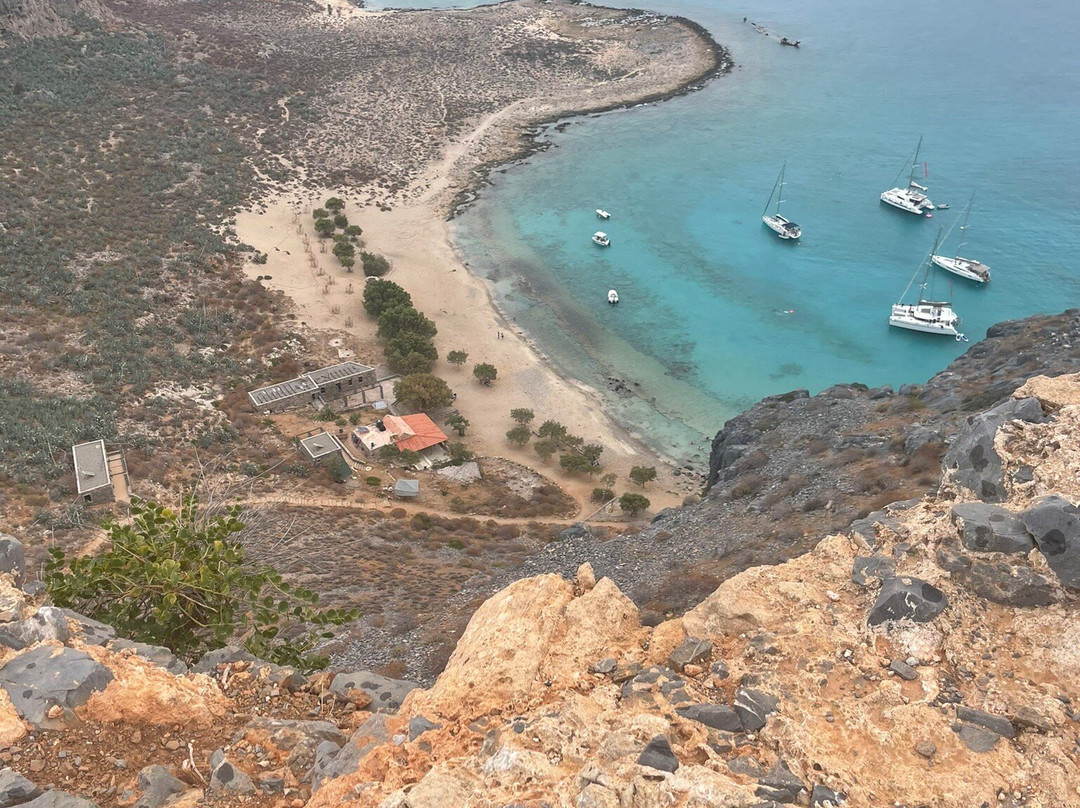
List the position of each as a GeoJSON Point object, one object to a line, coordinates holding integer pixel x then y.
{"type": "Point", "coordinates": [418, 725]}
{"type": "Point", "coordinates": [717, 716]}
{"type": "Point", "coordinates": [325, 753]}
{"type": "Point", "coordinates": [1055, 524]}
{"type": "Point", "coordinates": [659, 755]}
{"type": "Point", "coordinates": [208, 662]}
{"type": "Point", "coordinates": [47, 624]}
{"type": "Point", "coordinates": [995, 723]}
{"type": "Point", "coordinates": [878, 393]}
{"type": "Point", "coordinates": [988, 528]}
{"type": "Point", "coordinates": [825, 797]}
{"type": "Point", "coordinates": [747, 766]}
{"type": "Point", "coordinates": [12, 557]}
{"type": "Point", "coordinates": [754, 707]}
{"type": "Point", "coordinates": [89, 630]}
{"type": "Point", "coordinates": [157, 654]}
{"type": "Point", "coordinates": [1024, 474]}
{"type": "Point", "coordinates": [49, 675]}
{"type": "Point", "coordinates": [1029, 718]}
{"type": "Point", "coordinates": [157, 785]}
{"type": "Point", "coordinates": [224, 776]}
{"type": "Point", "coordinates": [1009, 582]}
{"type": "Point", "coordinates": [903, 670]}
{"type": "Point", "coordinates": [272, 784]}
{"type": "Point", "coordinates": [972, 457]}
{"type": "Point", "coordinates": [15, 789]}
{"type": "Point", "coordinates": [720, 669]}
{"type": "Point", "coordinates": [386, 694]}
{"type": "Point", "coordinates": [34, 588]}
{"type": "Point", "coordinates": [604, 666]}
{"type": "Point", "coordinates": [578, 530]}
{"type": "Point", "coordinates": [865, 570]}
{"type": "Point", "coordinates": [977, 739]}
{"type": "Point", "coordinates": [918, 436]}
{"type": "Point", "coordinates": [59, 799]}
{"type": "Point", "coordinates": [780, 784]}
{"type": "Point", "coordinates": [906, 598]}
{"type": "Point", "coordinates": [689, 652]}
{"type": "Point", "coordinates": [367, 736]}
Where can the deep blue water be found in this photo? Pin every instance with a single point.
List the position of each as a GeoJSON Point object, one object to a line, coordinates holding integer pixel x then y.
{"type": "Point", "coordinates": [993, 85]}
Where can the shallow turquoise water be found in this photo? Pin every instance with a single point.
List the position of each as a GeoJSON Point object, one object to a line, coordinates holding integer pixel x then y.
{"type": "Point", "coordinates": [702, 329]}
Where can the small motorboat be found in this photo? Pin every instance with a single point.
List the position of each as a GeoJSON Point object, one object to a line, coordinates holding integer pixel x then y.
{"type": "Point", "coordinates": [942, 205]}
{"type": "Point", "coordinates": [601, 239]}
{"type": "Point", "coordinates": [612, 297]}
{"type": "Point", "coordinates": [602, 214]}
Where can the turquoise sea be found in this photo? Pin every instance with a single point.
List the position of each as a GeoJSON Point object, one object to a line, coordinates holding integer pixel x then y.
{"type": "Point", "coordinates": [717, 312]}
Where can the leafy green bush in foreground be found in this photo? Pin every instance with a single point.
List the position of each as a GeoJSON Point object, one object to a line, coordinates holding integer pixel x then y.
{"type": "Point", "coordinates": [178, 579]}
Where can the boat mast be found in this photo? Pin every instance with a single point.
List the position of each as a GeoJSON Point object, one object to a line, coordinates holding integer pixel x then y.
{"type": "Point", "coordinates": [915, 162]}
{"type": "Point", "coordinates": [929, 265]}
{"type": "Point", "coordinates": [775, 186]}
{"type": "Point", "coordinates": [780, 195]}
{"type": "Point", "coordinates": [964, 224]}
{"type": "Point", "coordinates": [915, 274]}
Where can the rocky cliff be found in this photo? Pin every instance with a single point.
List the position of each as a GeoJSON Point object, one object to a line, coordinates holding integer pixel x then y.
{"type": "Point", "coordinates": [929, 655]}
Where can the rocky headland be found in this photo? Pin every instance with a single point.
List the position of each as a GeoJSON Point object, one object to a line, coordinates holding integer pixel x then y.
{"type": "Point", "coordinates": [928, 655]}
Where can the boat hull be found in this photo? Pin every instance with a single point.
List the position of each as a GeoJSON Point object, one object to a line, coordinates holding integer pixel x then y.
{"type": "Point", "coordinates": [926, 318]}
{"type": "Point", "coordinates": [782, 227]}
{"type": "Point", "coordinates": [900, 199]}
{"type": "Point", "coordinates": [964, 267]}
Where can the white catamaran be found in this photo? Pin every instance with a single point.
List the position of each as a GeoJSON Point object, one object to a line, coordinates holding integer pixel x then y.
{"type": "Point", "coordinates": [928, 316]}
{"type": "Point", "coordinates": [913, 198]}
{"type": "Point", "coordinates": [964, 267]}
{"type": "Point", "coordinates": [782, 227]}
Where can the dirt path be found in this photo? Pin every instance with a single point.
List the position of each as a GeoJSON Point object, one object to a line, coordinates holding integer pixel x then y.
{"type": "Point", "coordinates": [385, 503]}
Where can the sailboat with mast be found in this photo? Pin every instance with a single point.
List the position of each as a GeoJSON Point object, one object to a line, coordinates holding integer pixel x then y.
{"type": "Point", "coordinates": [958, 265]}
{"type": "Point", "coordinates": [927, 316]}
{"type": "Point", "coordinates": [912, 198]}
{"type": "Point", "coordinates": [783, 227]}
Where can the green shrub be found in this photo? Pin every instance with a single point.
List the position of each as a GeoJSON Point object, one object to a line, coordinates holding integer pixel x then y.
{"type": "Point", "coordinates": [373, 481]}
{"type": "Point", "coordinates": [633, 504]}
{"type": "Point", "coordinates": [375, 266]}
{"type": "Point", "coordinates": [180, 579]}
{"type": "Point", "coordinates": [519, 435]}
{"type": "Point", "coordinates": [380, 295]}
{"type": "Point", "coordinates": [601, 495]}
{"type": "Point", "coordinates": [337, 467]}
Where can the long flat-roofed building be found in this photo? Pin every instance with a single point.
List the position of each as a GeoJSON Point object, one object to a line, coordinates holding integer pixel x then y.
{"type": "Point", "coordinates": [336, 381]}
{"type": "Point", "coordinates": [92, 478]}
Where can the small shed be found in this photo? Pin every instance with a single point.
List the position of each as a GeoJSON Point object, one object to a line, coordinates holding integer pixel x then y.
{"type": "Point", "coordinates": [92, 478]}
{"type": "Point", "coordinates": [407, 489]}
{"type": "Point", "coordinates": [320, 445]}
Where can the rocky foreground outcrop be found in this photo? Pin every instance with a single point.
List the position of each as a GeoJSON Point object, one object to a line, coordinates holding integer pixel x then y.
{"type": "Point", "coordinates": [928, 656]}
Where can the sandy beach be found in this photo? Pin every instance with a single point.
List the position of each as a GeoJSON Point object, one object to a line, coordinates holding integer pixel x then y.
{"type": "Point", "coordinates": [409, 227]}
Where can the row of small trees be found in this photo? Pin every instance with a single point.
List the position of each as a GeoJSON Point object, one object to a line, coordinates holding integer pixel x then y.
{"type": "Point", "coordinates": [574, 453]}
{"type": "Point", "coordinates": [328, 220]}
{"type": "Point", "coordinates": [406, 332]}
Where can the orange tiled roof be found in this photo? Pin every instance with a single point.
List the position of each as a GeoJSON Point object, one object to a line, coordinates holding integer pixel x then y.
{"type": "Point", "coordinates": [424, 434]}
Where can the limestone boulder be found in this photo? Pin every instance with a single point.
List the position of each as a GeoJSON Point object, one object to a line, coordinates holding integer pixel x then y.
{"type": "Point", "coordinates": [51, 676]}
{"type": "Point", "coordinates": [16, 789]}
{"type": "Point", "coordinates": [386, 694]}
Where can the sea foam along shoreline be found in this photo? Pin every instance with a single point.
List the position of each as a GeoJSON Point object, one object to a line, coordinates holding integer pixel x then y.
{"type": "Point", "coordinates": [415, 237]}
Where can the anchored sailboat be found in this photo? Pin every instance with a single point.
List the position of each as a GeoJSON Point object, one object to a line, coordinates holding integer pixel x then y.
{"type": "Point", "coordinates": [913, 198]}
{"type": "Point", "coordinates": [784, 228]}
{"type": "Point", "coordinates": [958, 265]}
{"type": "Point", "coordinates": [928, 316]}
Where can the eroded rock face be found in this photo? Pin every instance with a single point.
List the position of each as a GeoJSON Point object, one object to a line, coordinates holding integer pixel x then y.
{"type": "Point", "coordinates": [973, 459]}
{"type": "Point", "coordinates": [1055, 524]}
